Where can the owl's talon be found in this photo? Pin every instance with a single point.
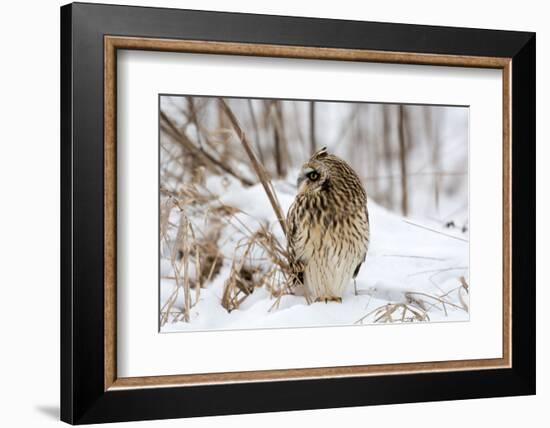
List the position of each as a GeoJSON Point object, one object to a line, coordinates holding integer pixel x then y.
{"type": "Point", "coordinates": [329, 299]}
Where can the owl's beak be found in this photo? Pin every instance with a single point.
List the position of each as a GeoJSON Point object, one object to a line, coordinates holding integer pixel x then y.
{"type": "Point", "coordinates": [300, 180]}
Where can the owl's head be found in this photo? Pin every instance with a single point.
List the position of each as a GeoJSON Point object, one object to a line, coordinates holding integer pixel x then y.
{"type": "Point", "coordinates": [315, 173]}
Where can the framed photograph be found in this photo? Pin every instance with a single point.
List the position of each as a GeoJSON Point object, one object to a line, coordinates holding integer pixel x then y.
{"type": "Point", "coordinates": [276, 213]}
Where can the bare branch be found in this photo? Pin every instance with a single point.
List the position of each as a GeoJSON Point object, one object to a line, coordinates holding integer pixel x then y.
{"type": "Point", "coordinates": [207, 157]}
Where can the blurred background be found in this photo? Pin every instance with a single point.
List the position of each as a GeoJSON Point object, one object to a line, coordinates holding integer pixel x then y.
{"type": "Point", "coordinates": [413, 159]}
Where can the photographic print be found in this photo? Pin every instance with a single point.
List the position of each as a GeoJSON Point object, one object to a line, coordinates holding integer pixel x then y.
{"type": "Point", "coordinates": [278, 213]}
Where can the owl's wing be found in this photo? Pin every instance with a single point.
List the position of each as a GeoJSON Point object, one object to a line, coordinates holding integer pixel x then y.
{"type": "Point", "coordinates": [357, 269]}
{"type": "Point", "coordinates": [296, 235]}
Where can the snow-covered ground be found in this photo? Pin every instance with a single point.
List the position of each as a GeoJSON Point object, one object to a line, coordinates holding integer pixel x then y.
{"type": "Point", "coordinates": [410, 264]}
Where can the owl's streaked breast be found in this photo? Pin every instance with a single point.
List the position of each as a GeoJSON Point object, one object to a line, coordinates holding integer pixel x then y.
{"type": "Point", "coordinates": [329, 234]}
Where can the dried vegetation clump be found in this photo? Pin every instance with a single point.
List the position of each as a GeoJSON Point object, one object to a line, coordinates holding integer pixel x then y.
{"type": "Point", "coordinates": [196, 254]}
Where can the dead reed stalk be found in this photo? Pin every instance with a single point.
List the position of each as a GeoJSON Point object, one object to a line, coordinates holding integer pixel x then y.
{"type": "Point", "coordinates": [258, 167]}
{"type": "Point", "coordinates": [182, 246]}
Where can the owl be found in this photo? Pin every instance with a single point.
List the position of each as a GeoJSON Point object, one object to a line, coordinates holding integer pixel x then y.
{"type": "Point", "coordinates": [328, 227]}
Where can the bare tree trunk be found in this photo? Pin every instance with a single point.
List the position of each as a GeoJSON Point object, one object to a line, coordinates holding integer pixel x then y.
{"type": "Point", "coordinates": [387, 143]}
{"type": "Point", "coordinates": [313, 143]}
{"type": "Point", "coordinates": [256, 131]}
{"type": "Point", "coordinates": [403, 161]}
{"type": "Point", "coordinates": [194, 119]}
{"type": "Point", "coordinates": [432, 136]}
{"type": "Point", "coordinates": [224, 150]}
{"type": "Point", "coordinates": [302, 149]}
{"type": "Point", "coordinates": [278, 135]}
{"type": "Point", "coordinates": [369, 154]}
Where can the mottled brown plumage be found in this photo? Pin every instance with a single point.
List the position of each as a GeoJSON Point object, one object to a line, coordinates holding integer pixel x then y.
{"type": "Point", "coordinates": [328, 226]}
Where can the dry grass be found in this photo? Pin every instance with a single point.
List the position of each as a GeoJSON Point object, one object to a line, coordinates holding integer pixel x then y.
{"type": "Point", "coordinates": [195, 257]}
{"type": "Point", "coordinates": [179, 264]}
{"type": "Point", "coordinates": [417, 305]}
{"type": "Point", "coordinates": [396, 312]}
{"type": "Point", "coordinates": [246, 274]}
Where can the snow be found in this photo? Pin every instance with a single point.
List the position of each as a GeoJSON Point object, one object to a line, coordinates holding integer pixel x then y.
{"type": "Point", "coordinates": [408, 260]}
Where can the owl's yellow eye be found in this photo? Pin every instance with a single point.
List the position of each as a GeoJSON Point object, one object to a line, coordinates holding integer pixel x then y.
{"type": "Point", "coordinates": [313, 175]}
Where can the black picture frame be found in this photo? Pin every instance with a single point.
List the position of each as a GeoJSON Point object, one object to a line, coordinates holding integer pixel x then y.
{"type": "Point", "coordinates": [83, 398]}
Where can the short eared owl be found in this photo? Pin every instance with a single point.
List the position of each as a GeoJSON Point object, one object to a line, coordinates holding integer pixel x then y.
{"type": "Point", "coordinates": [328, 226]}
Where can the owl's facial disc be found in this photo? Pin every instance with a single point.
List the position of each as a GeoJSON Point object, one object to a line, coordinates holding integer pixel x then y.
{"type": "Point", "coordinates": [309, 179]}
